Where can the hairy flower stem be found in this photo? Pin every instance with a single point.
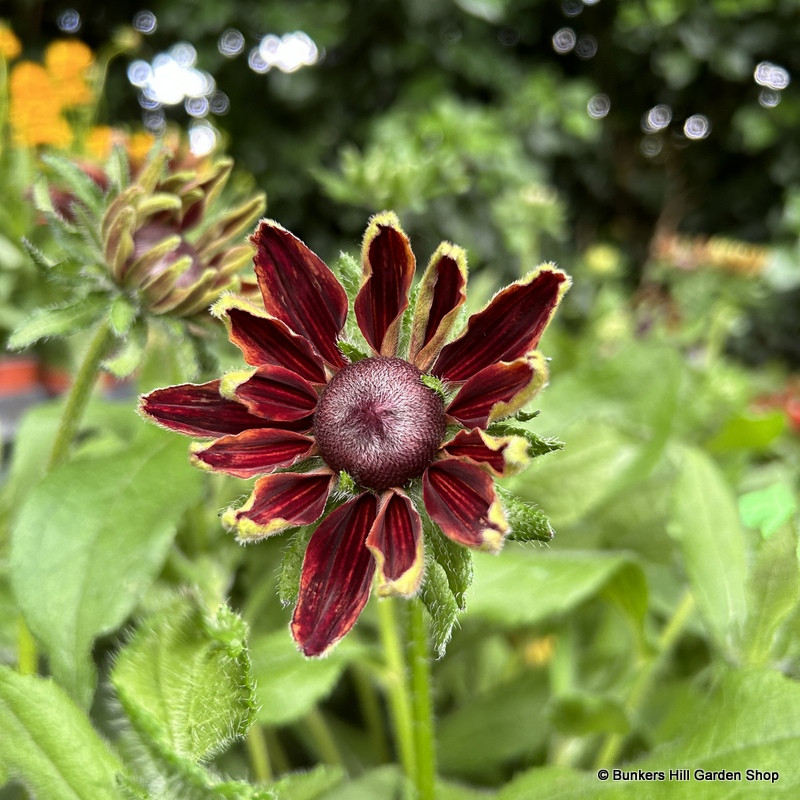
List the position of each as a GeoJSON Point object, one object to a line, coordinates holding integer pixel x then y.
{"type": "Point", "coordinates": [612, 747]}
{"type": "Point", "coordinates": [398, 689]}
{"type": "Point", "coordinates": [408, 684]}
{"type": "Point", "coordinates": [419, 653]}
{"type": "Point", "coordinates": [79, 394]}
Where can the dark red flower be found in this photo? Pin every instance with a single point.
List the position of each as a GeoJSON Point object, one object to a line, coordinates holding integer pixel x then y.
{"type": "Point", "coordinates": [382, 419]}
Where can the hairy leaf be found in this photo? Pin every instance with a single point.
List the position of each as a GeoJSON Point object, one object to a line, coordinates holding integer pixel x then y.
{"type": "Point", "coordinates": [88, 541]}
{"type": "Point", "coordinates": [48, 744]}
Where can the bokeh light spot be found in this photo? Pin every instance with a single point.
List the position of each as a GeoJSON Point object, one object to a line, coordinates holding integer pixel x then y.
{"type": "Point", "coordinates": [598, 106]}
{"type": "Point", "coordinates": [697, 127]}
{"type": "Point", "coordinates": [69, 21]}
{"type": "Point", "coordinates": [145, 21]}
{"type": "Point", "coordinates": [231, 43]}
{"type": "Point", "coordinates": [564, 40]}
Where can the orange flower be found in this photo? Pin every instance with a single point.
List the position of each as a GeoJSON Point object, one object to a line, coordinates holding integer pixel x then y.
{"type": "Point", "coordinates": [35, 111]}
{"type": "Point", "coordinates": [67, 62]}
{"type": "Point", "coordinates": [10, 47]}
{"type": "Point", "coordinates": [39, 94]}
{"type": "Point", "coordinates": [99, 141]}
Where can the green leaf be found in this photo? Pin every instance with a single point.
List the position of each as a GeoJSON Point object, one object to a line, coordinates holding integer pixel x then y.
{"type": "Point", "coordinates": [309, 785]}
{"type": "Point", "coordinates": [128, 357]}
{"type": "Point", "coordinates": [705, 524]}
{"type": "Point", "coordinates": [76, 182]}
{"type": "Point", "coordinates": [570, 483]}
{"type": "Point", "coordinates": [527, 522]}
{"type": "Point", "coordinates": [352, 352]}
{"type": "Point", "coordinates": [382, 782]}
{"type": "Point", "coordinates": [121, 315]}
{"type": "Point", "coordinates": [494, 727]}
{"type": "Point", "coordinates": [537, 445]}
{"type": "Point", "coordinates": [769, 508]}
{"type": "Point", "coordinates": [773, 591]}
{"type": "Point", "coordinates": [288, 684]}
{"type": "Point", "coordinates": [292, 565]}
{"type": "Point", "coordinates": [448, 575]}
{"type": "Point", "coordinates": [45, 323]}
{"type": "Point", "coordinates": [88, 541]}
{"type": "Point", "coordinates": [455, 560]}
{"type": "Point", "coordinates": [723, 733]}
{"type": "Point", "coordinates": [438, 598]}
{"type": "Point", "coordinates": [48, 744]}
{"type": "Point", "coordinates": [749, 432]}
{"type": "Point", "coordinates": [581, 713]}
{"type": "Point", "coordinates": [525, 587]}
{"type": "Point", "coordinates": [184, 681]}
{"type": "Point", "coordinates": [348, 270]}
{"type": "Point", "coordinates": [43, 202]}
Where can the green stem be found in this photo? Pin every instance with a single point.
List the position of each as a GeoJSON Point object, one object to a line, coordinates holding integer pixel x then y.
{"type": "Point", "coordinates": [323, 739]}
{"type": "Point", "coordinates": [79, 394]}
{"type": "Point", "coordinates": [397, 688]}
{"type": "Point", "coordinates": [370, 703]}
{"type": "Point", "coordinates": [611, 749]}
{"type": "Point", "coordinates": [422, 702]}
{"type": "Point", "coordinates": [259, 754]}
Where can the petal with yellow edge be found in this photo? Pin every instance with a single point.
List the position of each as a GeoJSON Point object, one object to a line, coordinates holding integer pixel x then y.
{"type": "Point", "coordinates": [395, 540]}
{"type": "Point", "coordinates": [253, 452]}
{"type": "Point", "coordinates": [498, 391]}
{"type": "Point", "coordinates": [500, 455]}
{"type": "Point", "coordinates": [509, 327]}
{"type": "Point", "coordinates": [266, 340]}
{"type": "Point", "coordinates": [198, 409]}
{"type": "Point", "coordinates": [442, 292]}
{"type": "Point", "coordinates": [279, 501]}
{"type": "Point", "coordinates": [460, 498]}
{"type": "Point", "coordinates": [388, 265]}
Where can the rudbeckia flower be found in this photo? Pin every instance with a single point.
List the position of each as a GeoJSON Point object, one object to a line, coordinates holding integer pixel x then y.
{"type": "Point", "coordinates": [403, 424]}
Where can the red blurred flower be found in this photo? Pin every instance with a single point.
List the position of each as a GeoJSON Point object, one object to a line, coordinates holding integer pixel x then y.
{"type": "Point", "coordinates": [408, 450]}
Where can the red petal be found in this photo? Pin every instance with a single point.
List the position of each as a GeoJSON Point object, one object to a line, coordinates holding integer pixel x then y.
{"type": "Point", "coordinates": [508, 328]}
{"type": "Point", "coordinates": [396, 542]}
{"type": "Point", "coordinates": [278, 394]}
{"type": "Point", "coordinates": [280, 501]}
{"type": "Point", "coordinates": [460, 498]}
{"type": "Point", "coordinates": [299, 289]}
{"type": "Point", "coordinates": [388, 271]}
{"type": "Point", "coordinates": [198, 410]}
{"type": "Point", "coordinates": [497, 390]}
{"type": "Point", "coordinates": [336, 577]}
{"type": "Point", "coordinates": [254, 452]}
{"type": "Point", "coordinates": [500, 455]}
{"type": "Point", "coordinates": [265, 340]}
{"type": "Point", "coordinates": [442, 293]}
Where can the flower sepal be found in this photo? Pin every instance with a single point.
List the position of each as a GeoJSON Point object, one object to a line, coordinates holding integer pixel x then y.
{"type": "Point", "coordinates": [537, 445]}
{"type": "Point", "coordinates": [448, 575]}
{"type": "Point", "coordinates": [527, 523]}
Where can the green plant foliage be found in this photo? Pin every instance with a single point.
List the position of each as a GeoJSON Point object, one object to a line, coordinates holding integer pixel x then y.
{"type": "Point", "coordinates": [184, 682]}
{"type": "Point", "coordinates": [87, 543]}
{"type": "Point", "coordinates": [706, 525]}
{"type": "Point", "coordinates": [35, 715]}
{"type": "Point", "coordinates": [718, 735]}
{"type": "Point", "coordinates": [289, 685]}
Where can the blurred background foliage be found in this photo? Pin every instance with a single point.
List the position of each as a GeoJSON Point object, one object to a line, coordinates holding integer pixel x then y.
{"type": "Point", "coordinates": [647, 146]}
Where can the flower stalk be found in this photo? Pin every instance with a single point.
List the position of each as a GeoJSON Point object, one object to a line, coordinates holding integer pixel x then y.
{"type": "Point", "coordinates": [398, 689]}
{"type": "Point", "coordinates": [422, 702]}
{"type": "Point", "coordinates": [80, 392]}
